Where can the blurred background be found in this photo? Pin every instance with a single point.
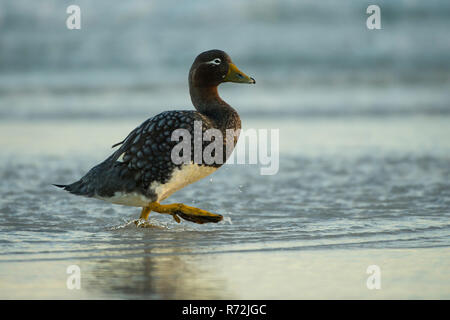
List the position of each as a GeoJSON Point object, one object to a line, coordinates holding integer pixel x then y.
{"type": "Point", "coordinates": [364, 174]}
{"type": "Point", "coordinates": [132, 58]}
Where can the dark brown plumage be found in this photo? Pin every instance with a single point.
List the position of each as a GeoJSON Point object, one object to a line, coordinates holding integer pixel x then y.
{"type": "Point", "coordinates": [143, 159]}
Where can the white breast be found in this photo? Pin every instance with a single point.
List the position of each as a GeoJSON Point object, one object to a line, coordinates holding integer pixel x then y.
{"type": "Point", "coordinates": [187, 174]}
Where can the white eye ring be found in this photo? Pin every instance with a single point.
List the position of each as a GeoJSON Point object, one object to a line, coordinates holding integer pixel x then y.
{"type": "Point", "coordinates": [215, 62]}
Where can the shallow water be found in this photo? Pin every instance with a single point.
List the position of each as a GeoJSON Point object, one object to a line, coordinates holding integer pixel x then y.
{"type": "Point", "coordinates": [372, 184]}
{"type": "Point", "coordinates": [369, 191]}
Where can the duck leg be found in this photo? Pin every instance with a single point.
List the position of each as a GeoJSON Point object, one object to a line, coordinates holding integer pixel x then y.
{"type": "Point", "coordinates": [186, 212]}
{"type": "Point", "coordinates": [145, 213]}
{"type": "Point", "coordinates": [142, 221]}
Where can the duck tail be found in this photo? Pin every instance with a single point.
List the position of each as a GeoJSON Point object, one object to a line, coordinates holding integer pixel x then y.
{"type": "Point", "coordinates": [78, 188]}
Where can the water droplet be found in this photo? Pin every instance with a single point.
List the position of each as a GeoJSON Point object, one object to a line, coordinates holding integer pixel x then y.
{"type": "Point", "coordinates": [227, 220]}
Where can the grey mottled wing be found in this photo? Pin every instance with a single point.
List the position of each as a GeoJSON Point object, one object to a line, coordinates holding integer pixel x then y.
{"type": "Point", "coordinates": [146, 152]}
{"type": "Point", "coordinates": [144, 156]}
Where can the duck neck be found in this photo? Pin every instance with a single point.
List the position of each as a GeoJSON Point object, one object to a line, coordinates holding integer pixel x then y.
{"type": "Point", "coordinates": [208, 102]}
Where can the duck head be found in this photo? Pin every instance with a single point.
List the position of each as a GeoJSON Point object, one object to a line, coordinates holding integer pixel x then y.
{"type": "Point", "coordinates": [213, 67]}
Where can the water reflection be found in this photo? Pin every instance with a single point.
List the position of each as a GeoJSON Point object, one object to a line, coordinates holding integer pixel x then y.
{"type": "Point", "coordinates": [173, 274]}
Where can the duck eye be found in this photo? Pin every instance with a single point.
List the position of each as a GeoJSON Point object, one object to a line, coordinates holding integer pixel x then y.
{"type": "Point", "coordinates": [215, 62]}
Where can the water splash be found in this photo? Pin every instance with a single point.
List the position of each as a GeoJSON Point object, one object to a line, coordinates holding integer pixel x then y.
{"type": "Point", "coordinates": [141, 223]}
{"type": "Point", "coordinates": [227, 219]}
